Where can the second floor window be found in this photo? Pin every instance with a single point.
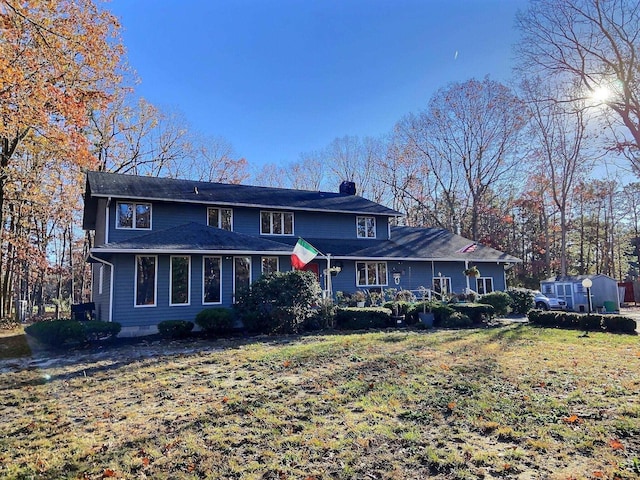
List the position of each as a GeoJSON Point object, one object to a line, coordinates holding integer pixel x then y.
{"type": "Point", "coordinates": [366, 227]}
{"type": "Point", "coordinates": [276, 223]}
{"type": "Point", "coordinates": [133, 215]}
{"type": "Point", "coordinates": [220, 217]}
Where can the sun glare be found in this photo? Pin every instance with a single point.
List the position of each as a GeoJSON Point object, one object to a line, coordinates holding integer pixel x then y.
{"type": "Point", "coordinates": [601, 94]}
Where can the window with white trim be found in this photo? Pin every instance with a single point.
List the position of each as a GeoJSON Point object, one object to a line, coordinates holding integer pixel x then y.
{"type": "Point", "coordinates": [179, 280]}
{"type": "Point", "coordinates": [145, 280]}
{"type": "Point", "coordinates": [276, 223]}
{"type": "Point", "coordinates": [484, 285]}
{"type": "Point", "coordinates": [212, 280]}
{"type": "Point", "coordinates": [100, 278]}
{"type": "Point", "coordinates": [270, 265]}
{"type": "Point", "coordinates": [371, 274]}
{"type": "Point", "coordinates": [220, 217]}
{"type": "Point", "coordinates": [241, 275]}
{"type": "Point", "coordinates": [366, 227]}
{"type": "Point", "coordinates": [136, 216]}
{"type": "Point", "coordinates": [442, 285]}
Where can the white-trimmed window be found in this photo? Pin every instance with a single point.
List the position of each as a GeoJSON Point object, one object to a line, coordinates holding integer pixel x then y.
{"type": "Point", "coordinates": [180, 280]}
{"type": "Point", "coordinates": [145, 280]}
{"type": "Point", "coordinates": [100, 278]}
{"type": "Point", "coordinates": [136, 216]}
{"type": "Point", "coordinates": [212, 280]}
{"type": "Point", "coordinates": [442, 285]}
{"type": "Point", "coordinates": [276, 223]}
{"type": "Point", "coordinates": [484, 285]}
{"type": "Point", "coordinates": [220, 217]}
{"type": "Point", "coordinates": [371, 274]}
{"type": "Point", "coordinates": [366, 227]}
{"type": "Point", "coordinates": [241, 275]}
{"type": "Point", "coordinates": [270, 265]}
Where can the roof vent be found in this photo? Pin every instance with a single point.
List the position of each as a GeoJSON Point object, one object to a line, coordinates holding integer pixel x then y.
{"type": "Point", "coordinates": [348, 188]}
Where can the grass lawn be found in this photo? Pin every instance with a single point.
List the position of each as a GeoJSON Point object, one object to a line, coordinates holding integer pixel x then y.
{"type": "Point", "coordinates": [511, 402]}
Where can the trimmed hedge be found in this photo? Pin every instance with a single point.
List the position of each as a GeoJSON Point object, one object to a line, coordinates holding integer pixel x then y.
{"type": "Point", "coordinates": [500, 301]}
{"type": "Point", "coordinates": [351, 318]}
{"type": "Point", "coordinates": [59, 333]}
{"type": "Point", "coordinates": [175, 328]}
{"type": "Point", "coordinates": [477, 312]}
{"type": "Point", "coordinates": [457, 320]}
{"type": "Point", "coordinates": [215, 321]}
{"type": "Point", "coordinates": [578, 321]}
{"type": "Point", "coordinates": [522, 300]}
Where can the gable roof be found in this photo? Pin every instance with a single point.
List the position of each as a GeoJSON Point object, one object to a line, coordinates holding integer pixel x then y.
{"type": "Point", "coordinates": [195, 238]}
{"type": "Point", "coordinates": [132, 187]}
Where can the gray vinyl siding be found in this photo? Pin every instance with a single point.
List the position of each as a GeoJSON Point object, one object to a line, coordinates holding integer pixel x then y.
{"type": "Point", "coordinates": [101, 300]}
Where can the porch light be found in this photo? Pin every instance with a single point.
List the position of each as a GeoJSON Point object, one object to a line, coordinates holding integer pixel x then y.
{"type": "Point", "coordinates": [587, 283]}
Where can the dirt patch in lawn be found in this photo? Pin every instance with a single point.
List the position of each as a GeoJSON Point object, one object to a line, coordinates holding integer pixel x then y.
{"type": "Point", "coordinates": [509, 402]}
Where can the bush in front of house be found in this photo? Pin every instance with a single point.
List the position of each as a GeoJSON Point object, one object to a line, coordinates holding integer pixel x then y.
{"type": "Point", "coordinates": [281, 302]}
{"type": "Point", "coordinates": [350, 318]}
{"type": "Point", "coordinates": [522, 300]}
{"type": "Point", "coordinates": [175, 328]}
{"type": "Point", "coordinates": [500, 301]}
{"type": "Point", "coordinates": [477, 312]}
{"type": "Point", "coordinates": [456, 320]}
{"type": "Point", "coordinates": [619, 324]}
{"type": "Point", "coordinates": [215, 321]}
{"type": "Point", "coordinates": [95, 330]}
{"type": "Point", "coordinates": [60, 333]}
{"type": "Point", "coordinates": [578, 321]}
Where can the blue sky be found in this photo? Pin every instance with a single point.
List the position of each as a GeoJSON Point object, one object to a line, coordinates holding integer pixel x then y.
{"type": "Point", "coordinates": [282, 77]}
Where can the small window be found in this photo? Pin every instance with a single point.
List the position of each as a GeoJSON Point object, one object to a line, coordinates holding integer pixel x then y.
{"type": "Point", "coordinates": [442, 285]}
{"type": "Point", "coordinates": [484, 285]}
{"type": "Point", "coordinates": [100, 278]}
{"type": "Point", "coordinates": [212, 283]}
{"type": "Point", "coordinates": [366, 227]}
{"type": "Point", "coordinates": [180, 285]}
{"type": "Point", "coordinates": [136, 216]}
{"type": "Point", "coordinates": [276, 223]}
{"type": "Point", "coordinates": [145, 282]}
{"type": "Point", "coordinates": [371, 274]}
{"type": "Point", "coordinates": [220, 218]}
{"type": "Point", "coordinates": [269, 265]}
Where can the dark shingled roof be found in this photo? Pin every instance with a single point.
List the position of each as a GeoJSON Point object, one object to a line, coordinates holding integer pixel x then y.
{"type": "Point", "coordinates": [196, 237]}
{"type": "Point", "coordinates": [102, 184]}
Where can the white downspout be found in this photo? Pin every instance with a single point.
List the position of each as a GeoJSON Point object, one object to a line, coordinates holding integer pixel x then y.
{"type": "Point", "coordinates": [111, 269]}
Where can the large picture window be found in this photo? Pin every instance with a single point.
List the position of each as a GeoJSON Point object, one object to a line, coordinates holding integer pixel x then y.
{"type": "Point", "coordinates": [484, 285]}
{"type": "Point", "coordinates": [212, 283]}
{"type": "Point", "coordinates": [220, 217]}
{"type": "Point", "coordinates": [241, 274]}
{"type": "Point", "coordinates": [371, 274]}
{"type": "Point", "coordinates": [366, 227]}
{"type": "Point", "coordinates": [269, 265]}
{"type": "Point", "coordinates": [133, 215]}
{"type": "Point", "coordinates": [145, 282]}
{"type": "Point", "coordinates": [180, 284]}
{"type": "Point", "coordinates": [276, 223]}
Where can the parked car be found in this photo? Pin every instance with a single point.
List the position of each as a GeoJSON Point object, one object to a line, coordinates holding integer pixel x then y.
{"type": "Point", "coordinates": [548, 303]}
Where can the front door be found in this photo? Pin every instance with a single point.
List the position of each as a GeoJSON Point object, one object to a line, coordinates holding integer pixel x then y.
{"type": "Point", "coordinates": [564, 291]}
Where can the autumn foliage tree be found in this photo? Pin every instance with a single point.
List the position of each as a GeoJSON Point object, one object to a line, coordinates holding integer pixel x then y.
{"type": "Point", "coordinates": [59, 60]}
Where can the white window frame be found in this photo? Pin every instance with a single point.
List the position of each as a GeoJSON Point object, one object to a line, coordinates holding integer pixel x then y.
{"type": "Point", "coordinates": [447, 282]}
{"type": "Point", "coordinates": [376, 263]}
{"type": "Point", "coordinates": [484, 281]}
{"type": "Point", "coordinates": [203, 279]}
{"type": "Point", "coordinates": [188, 302]}
{"type": "Point", "coordinates": [155, 282]}
{"type": "Point", "coordinates": [219, 225]}
{"type": "Point", "coordinates": [133, 221]}
{"type": "Point", "coordinates": [262, 259]}
{"type": "Point", "coordinates": [283, 213]}
{"type": "Point", "coordinates": [101, 278]}
{"type": "Point", "coordinates": [234, 273]}
{"type": "Point", "coordinates": [365, 219]}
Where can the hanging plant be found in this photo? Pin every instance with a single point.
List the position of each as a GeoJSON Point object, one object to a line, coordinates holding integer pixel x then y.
{"type": "Point", "coordinates": [472, 272]}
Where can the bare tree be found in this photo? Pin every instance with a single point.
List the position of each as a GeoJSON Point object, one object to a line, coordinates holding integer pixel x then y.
{"type": "Point", "coordinates": [596, 44]}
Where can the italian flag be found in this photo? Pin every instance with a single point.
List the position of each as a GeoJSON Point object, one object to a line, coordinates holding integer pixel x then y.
{"type": "Point", "coordinates": [302, 254]}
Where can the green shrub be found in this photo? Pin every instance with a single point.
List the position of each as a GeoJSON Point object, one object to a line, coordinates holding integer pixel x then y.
{"type": "Point", "coordinates": [441, 312]}
{"type": "Point", "coordinates": [324, 316]}
{"type": "Point", "coordinates": [405, 296]}
{"type": "Point", "coordinates": [281, 302]}
{"type": "Point", "coordinates": [95, 330]}
{"type": "Point", "coordinates": [457, 320]}
{"type": "Point", "coordinates": [477, 312]}
{"type": "Point", "coordinates": [522, 300]}
{"type": "Point", "coordinates": [215, 321]}
{"type": "Point", "coordinates": [590, 323]}
{"type": "Point", "coordinates": [616, 323]}
{"type": "Point", "coordinates": [56, 333]}
{"type": "Point", "coordinates": [363, 318]}
{"type": "Point", "coordinates": [175, 328]}
{"type": "Point", "coordinates": [398, 308]}
{"type": "Point", "coordinates": [500, 301]}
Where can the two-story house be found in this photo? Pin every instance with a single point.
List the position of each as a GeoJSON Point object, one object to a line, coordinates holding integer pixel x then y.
{"type": "Point", "coordinates": [164, 249]}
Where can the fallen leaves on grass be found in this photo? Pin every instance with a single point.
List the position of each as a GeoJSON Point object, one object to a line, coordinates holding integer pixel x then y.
{"type": "Point", "coordinates": [616, 444]}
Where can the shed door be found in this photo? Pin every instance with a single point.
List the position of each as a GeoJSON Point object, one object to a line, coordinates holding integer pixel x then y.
{"type": "Point", "coordinates": [564, 292]}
